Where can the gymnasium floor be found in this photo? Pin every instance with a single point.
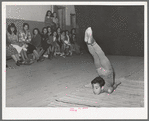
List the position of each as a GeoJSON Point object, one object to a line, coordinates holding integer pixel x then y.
{"type": "Point", "coordinates": [60, 83]}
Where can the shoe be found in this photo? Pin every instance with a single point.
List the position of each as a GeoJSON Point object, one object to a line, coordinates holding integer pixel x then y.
{"type": "Point", "coordinates": [40, 59]}
{"type": "Point", "coordinates": [46, 56]}
{"type": "Point", "coordinates": [17, 63]}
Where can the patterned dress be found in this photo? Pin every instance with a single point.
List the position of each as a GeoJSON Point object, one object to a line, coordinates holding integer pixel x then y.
{"type": "Point", "coordinates": [26, 39]}
{"type": "Point", "coordinates": [12, 39]}
{"type": "Point", "coordinates": [10, 50]}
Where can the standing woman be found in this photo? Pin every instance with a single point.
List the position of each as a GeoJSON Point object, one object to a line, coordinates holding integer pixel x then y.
{"type": "Point", "coordinates": [55, 19]}
{"type": "Point", "coordinates": [49, 19]}
{"type": "Point", "coordinates": [25, 38]}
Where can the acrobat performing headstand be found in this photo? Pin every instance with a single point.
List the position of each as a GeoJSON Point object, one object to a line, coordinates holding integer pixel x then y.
{"type": "Point", "coordinates": [105, 82]}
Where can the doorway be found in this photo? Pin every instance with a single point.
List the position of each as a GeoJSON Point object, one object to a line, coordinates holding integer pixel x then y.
{"type": "Point", "coordinates": [60, 10]}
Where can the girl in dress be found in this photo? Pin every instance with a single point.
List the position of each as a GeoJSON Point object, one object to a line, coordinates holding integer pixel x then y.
{"type": "Point", "coordinates": [49, 19]}
{"type": "Point", "coordinates": [59, 39]}
{"type": "Point", "coordinates": [74, 44]}
{"type": "Point", "coordinates": [50, 50]}
{"type": "Point", "coordinates": [36, 39]}
{"type": "Point", "coordinates": [55, 20]}
{"type": "Point", "coordinates": [64, 45]}
{"type": "Point", "coordinates": [68, 43]}
{"type": "Point", "coordinates": [25, 38]}
{"type": "Point", "coordinates": [55, 44]}
{"type": "Point", "coordinates": [44, 44]}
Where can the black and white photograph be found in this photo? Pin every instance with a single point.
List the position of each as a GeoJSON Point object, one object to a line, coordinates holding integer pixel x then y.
{"type": "Point", "coordinates": [82, 60]}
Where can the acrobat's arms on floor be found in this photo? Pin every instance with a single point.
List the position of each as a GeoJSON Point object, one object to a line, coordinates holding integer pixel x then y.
{"type": "Point", "coordinates": [99, 86]}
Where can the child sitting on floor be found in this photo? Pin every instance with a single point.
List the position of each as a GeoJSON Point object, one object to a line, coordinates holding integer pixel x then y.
{"type": "Point", "coordinates": [55, 44]}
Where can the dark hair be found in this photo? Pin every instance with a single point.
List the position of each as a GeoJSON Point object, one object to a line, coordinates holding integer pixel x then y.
{"type": "Point", "coordinates": [98, 80]}
{"type": "Point", "coordinates": [63, 31]}
{"type": "Point", "coordinates": [72, 30]}
{"type": "Point", "coordinates": [53, 32]}
{"type": "Point", "coordinates": [44, 28]}
{"type": "Point", "coordinates": [37, 30]}
{"type": "Point", "coordinates": [12, 25]}
{"type": "Point", "coordinates": [49, 27]}
{"type": "Point", "coordinates": [48, 12]}
{"type": "Point", "coordinates": [58, 28]}
{"type": "Point", "coordinates": [25, 24]}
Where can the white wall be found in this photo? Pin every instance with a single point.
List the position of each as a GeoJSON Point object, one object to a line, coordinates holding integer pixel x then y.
{"type": "Point", "coordinates": [27, 12]}
{"type": "Point", "coordinates": [69, 10]}
{"type": "Point", "coordinates": [35, 12]}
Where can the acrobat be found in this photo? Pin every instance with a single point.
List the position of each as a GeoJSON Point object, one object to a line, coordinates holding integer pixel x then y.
{"type": "Point", "coordinates": [105, 82]}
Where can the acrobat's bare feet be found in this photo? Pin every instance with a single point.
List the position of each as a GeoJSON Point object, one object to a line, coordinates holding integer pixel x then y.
{"type": "Point", "coordinates": [88, 36]}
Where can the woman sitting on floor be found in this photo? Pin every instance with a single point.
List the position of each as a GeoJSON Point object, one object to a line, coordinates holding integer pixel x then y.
{"type": "Point", "coordinates": [75, 46]}
{"type": "Point", "coordinates": [36, 40]}
{"type": "Point", "coordinates": [11, 51]}
{"type": "Point", "coordinates": [50, 50]}
{"type": "Point", "coordinates": [44, 44]}
{"type": "Point", "coordinates": [25, 38]}
{"type": "Point", "coordinates": [12, 38]}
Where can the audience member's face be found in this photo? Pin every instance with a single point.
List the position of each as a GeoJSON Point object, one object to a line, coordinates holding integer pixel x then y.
{"type": "Point", "coordinates": [54, 34]}
{"type": "Point", "coordinates": [45, 31]}
{"type": "Point", "coordinates": [12, 29]}
{"type": "Point", "coordinates": [54, 15]}
{"type": "Point", "coordinates": [63, 33]}
{"type": "Point", "coordinates": [73, 31]}
{"type": "Point", "coordinates": [67, 33]}
{"type": "Point", "coordinates": [35, 32]}
{"type": "Point", "coordinates": [58, 30]}
{"type": "Point", "coordinates": [49, 13]}
{"type": "Point", "coordinates": [25, 27]}
{"type": "Point", "coordinates": [49, 29]}
{"type": "Point", "coordinates": [96, 88]}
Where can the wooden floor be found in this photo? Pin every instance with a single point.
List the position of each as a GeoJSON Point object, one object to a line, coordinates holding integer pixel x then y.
{"type": "Point", "coordinates": [60, 83]}
{"type": "Point", "coordinates": [128, 94]}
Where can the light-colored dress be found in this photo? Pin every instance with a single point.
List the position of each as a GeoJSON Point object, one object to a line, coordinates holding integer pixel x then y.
{"type": "Point", "coordinates": [55, 20]}
{"type": "Point", "coordinates": [13, 40]}
{"type": "Point", "coordinates": [25, 37]}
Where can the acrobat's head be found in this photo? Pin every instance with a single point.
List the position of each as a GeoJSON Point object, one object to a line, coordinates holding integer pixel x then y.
{"type": "Point", "coordinates": [97, 85]}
